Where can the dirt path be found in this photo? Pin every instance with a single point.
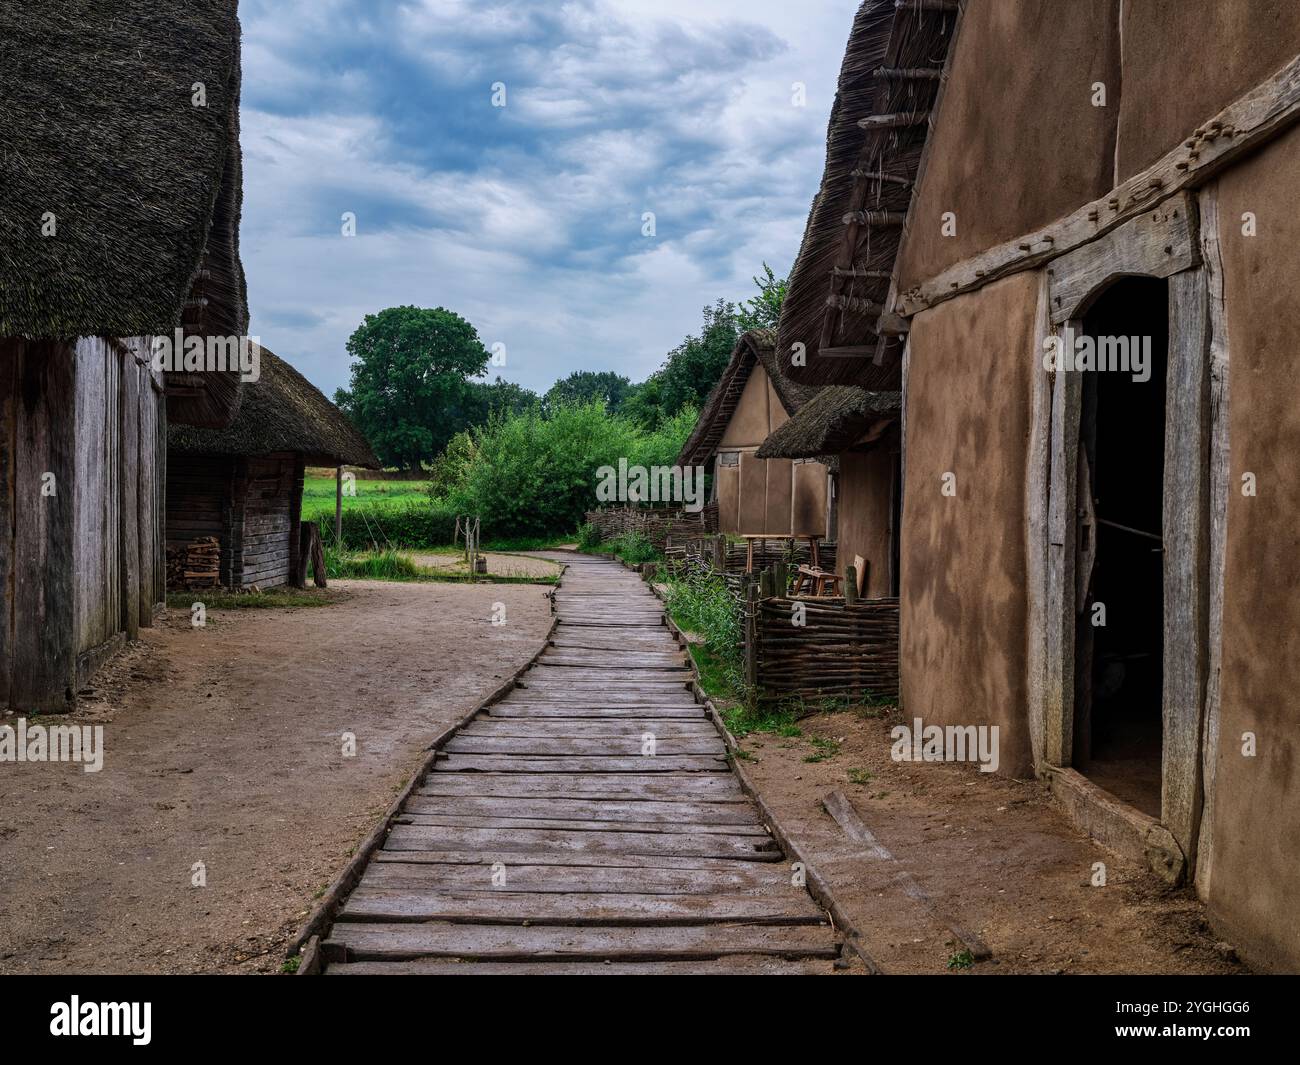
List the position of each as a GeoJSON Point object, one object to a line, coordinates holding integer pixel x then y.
{"type": "Point", "coordinates": [550, 839]}
{"type": "Point", "coordinates": [994, 855]}
{"type": "Point", "coordinates": [223, 746]}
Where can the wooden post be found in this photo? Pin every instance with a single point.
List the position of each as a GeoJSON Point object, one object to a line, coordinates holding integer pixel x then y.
{"type": "Point", "coordinates": [850, 585]}
{"type": "Point", "coordinates": [751, 637]}
{"type": "Point", "coordinates": [720, 553]}
{"type": "Point", "coordinates": [338, 506]}
{"type": "Point", "coordinates": [782, 578]}
{"type": "Point", "coordinates": [317, 555]}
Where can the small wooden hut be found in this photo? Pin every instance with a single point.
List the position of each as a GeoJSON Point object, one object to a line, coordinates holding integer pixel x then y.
{"type": "Point", "coordinates": [755, 496]}
{"type": "Point", "coordinates": [119, 208]}
{"type": "Point", "coordinates": [1096, 548]}
{"type": "Point", "coordinates": [858, 432]}
{"type": "Point", "coordinates": [234, 495]}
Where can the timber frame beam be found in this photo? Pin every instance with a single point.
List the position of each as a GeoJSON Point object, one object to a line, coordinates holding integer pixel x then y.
{"type": "Point", "coordinates": [1243, 126]}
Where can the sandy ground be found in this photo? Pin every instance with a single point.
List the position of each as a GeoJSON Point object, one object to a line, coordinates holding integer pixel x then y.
{"type": "Point", "coordinates": [223, 746]}
{"type": "Point", "coordinates": [993, 853]}
{"type": "Point", "coordinates": [500, 563]}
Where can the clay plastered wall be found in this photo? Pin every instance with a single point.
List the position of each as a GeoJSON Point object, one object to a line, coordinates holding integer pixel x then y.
{"type": "Point", "coordinates": [1017, 142]}
{"type": "Point", "coordinates": [864, 515]}
{"type": "Point", "coordinates": [780, 482]}
{"type": "Point", "coordinates": [964, 611]}
{"type": "Point", "coordinates": [1185, 61]}
{"type": "Point", "coordinates": [750, 423]}
{"type": "Point", "coordinates": [728, 499]}
{"type": "Point", "coordinates": [808, 512]}
{"type": "Point", "coordinates": [1257, 800]}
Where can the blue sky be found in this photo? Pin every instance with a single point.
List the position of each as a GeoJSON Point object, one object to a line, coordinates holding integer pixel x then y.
{"type": "Point", "coordinates": [526, 219]}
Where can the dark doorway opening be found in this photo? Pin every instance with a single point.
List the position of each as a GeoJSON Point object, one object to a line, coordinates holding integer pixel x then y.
{"type": "Point", "coordinates": [1119, 675]}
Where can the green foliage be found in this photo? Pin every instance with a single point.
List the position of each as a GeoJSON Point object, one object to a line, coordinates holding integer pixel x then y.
{"type": "Point", "coordinates": [825, 749]}
{"type": "Point", "coordinates": [588, 536]}
{"type": "Point", "coordinates": [764, 310]}
{"type": "Point", "coordinates": [963, 959]}
{"type": "Point", "coordinates": [701, 603]}
{"type": "Point", "coordinates": [583, 386]}
{"type": "Point", "coordinates": [694, 366]}
{"type": "Point", "coordinates": [409, 388]}
{"type": "Point", "coordinates": [632, 547]}
{"type": "Point", "coordinates": [427, 523]}
{"type": "Point", "coordinates": [387, 564]}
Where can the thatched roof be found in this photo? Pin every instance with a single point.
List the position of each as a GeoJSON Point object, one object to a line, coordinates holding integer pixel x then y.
{"type": "Point", "coordinates": [103, 142]}
{"type": "Point", "coordinates": [835, 306]}
{"type": "Point", "coordinates": [281, 411]}
{"type": "Point", "coordinates": [757, 347]}
{"type": "Point", "coordinates": [831, 422]}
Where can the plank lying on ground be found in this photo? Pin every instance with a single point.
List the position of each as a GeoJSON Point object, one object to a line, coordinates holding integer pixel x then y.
{"type": "Point", "coordinates": [625, 746]}
{"type": "Point", "coordinates": [712, 813]}
{"type": "Point", "coordinates": [676, 711]}
{"type": "Point", "coordinates": [383, 904]}
{"type": "Point", "coordinates": [366, 942]}
{"type": "Point", "coordinates": [589, 860]}
{"type": "Point", "coordinates": [513, 763]}
{"type": "Point", "coordinates": [500, 841]}
{"type": "Point", "coordinates": [630, 787]}
{"type": "Point", "coordinates": [575, 879]}
{"type": "Point", "coordinates": [414, 817]}
{"type": "Point", "coordinates": [733, 965]}
{"type": "Point", "coordinates": [626, 726]}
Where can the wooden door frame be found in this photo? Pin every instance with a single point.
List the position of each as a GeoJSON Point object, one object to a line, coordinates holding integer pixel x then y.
{"type": "Point", "coordinates": [1163, 243]}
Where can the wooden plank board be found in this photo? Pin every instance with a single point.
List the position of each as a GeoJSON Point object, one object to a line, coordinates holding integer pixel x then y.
{"type": "Point", "coordinates": [628, 787]}
{"type": "Point", "coordinates": [732, 965]}
{"type": "Point", "coordinates": [568, 809]}
{"type": "Point", "coordinates": [441, 939]}
{"type": "Point", "coordinates": [680, 711]}
{"type": "Point", "coordinates": [624, 746]}
{"type": "Point", "coordinates": [594, 860]}
{"type": "Point", "coordinates": [575, 879]}
{"type": "Point", "coordinates": [510, 763]}
{"type": "Point", "coordinates": [478, 820]}
{"type": "Point", "coordinates": [556, 727]}
{"type": "Point", "coordinates": [387, 904]}
{"type": "Point", "coordinates": [496, 841]}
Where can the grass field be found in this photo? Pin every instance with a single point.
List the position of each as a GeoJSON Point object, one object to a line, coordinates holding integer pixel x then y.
{"type": "Point", "coordinates": [318, 495]}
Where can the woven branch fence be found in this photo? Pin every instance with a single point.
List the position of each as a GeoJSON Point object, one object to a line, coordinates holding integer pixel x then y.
{"type": "Point", "coordinates": [656, 524]}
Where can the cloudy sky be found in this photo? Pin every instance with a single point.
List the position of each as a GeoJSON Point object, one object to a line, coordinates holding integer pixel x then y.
{"type": "Point", "coordinates": [526, 219]}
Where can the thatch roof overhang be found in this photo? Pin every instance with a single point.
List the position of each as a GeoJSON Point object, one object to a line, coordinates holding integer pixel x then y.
{"type": "Point", "coordinates": [120, 178]}
{"type": "Point", "coordinates": [281, 411]}
{"type": "Point", "coordinates": [836, 419]}
{"type": "Point", "coordinates": [836, 309]}
{"type": "Point", "coordinates": [754, 348]}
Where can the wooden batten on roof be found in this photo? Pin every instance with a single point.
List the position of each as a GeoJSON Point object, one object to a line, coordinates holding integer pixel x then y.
{"type": "Point", "coordinates": [836, 308]}
{"type": "Point", "coordinates": [833, 421]}
{"type": "Point", "coordinates": [755, 348]}
{"type": "Point", "coordinates": [281, 411]}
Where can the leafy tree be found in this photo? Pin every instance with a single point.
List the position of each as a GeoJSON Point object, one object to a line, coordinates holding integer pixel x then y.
{"type": "Point", "coordinates": [582, 386]}
{"type": "Point", "coordinates": [409, 387]}
{"type": "Point", "coordinates": [764, 310]}
{"type": "Point", "coordinates": [643, 404]}
{"type": "Point", "coordinates": [694, 366]}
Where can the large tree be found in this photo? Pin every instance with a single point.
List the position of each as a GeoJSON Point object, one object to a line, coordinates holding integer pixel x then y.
{"type": "Point", "coordinates": [764, 310]}
{"type": "Point", "coordinates": [694, 366]}
{"type": "Point", "coordinates": [410, 381]}
{"type": "Point", "coordinates": [582, 386]}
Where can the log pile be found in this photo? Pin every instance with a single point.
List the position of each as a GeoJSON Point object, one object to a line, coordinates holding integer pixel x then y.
{"type": "Point", "coordinates": [840, 651]}
{"type": "Point", "coordinates": [195, 565]}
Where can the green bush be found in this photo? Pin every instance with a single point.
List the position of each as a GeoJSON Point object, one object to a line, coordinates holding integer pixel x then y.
{"type": "Point", "coordinates": [633, 548]}
{"type": "Point", "coordinates": [385, 565]}
{"type": "Point", "coordinates": [701, 603]}
{"type": "Point", "coordinates": [410, 525]}
{"type": "Point", "coordinates": [588, 536]}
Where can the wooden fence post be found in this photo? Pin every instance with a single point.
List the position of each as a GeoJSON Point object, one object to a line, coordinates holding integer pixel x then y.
{"type": "Point", "coordinates": [338, 505]}
{"type": "Point", "coordinates": [850, 585]}
{"type": "Point", "coordinates": [751, 637]}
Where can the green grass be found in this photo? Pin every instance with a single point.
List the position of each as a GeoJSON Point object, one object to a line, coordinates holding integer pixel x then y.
{"type": "Point", "coordinates": [741, 720]}
{"type": "Point", "coordinates": [214, 599]}
{"type": "Point", "coordinates": [859, 776]}
{"type": "Point", "coordinates": [290, 965]}
{"type": "Point", "coordinates": [394, 564]}
{"type": "Point", "coordinates": [632, 548]}
{"type": "Point", "coordinates": [318, 495]}
{"type": "Point", "coordinates": [825, 749]}
{"type": "Point", "coordinates": [963, 959]}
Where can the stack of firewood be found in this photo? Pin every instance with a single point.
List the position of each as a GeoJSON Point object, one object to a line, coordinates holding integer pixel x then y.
{"type": "Point", "coordinates": [196, 565]}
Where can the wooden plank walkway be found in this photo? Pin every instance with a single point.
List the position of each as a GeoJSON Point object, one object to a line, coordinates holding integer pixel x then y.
{"type": "Point", "coordinates": [552, 840]}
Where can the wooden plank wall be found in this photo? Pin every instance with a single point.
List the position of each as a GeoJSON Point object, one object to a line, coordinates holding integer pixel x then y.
{"type": "Point", "coordinates": [37, 653]}
{"type": "Point", "coordinates": [83, 566]}
{"type": "Point", "coordinates": [198, 490]}
{"type": "Point", "coordinates": [267, 519]}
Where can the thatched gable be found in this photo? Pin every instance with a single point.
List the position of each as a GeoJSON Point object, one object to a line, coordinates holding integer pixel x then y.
{"type": "Point", "coordinates": [281, 411]}
{"type": "Point", "coordinates": [832, 421]}
{"type": "Point", "coordinates": [840, 284]}
{"type": "Point", "coordinates": [757, 347]}
{"type": "Point", "coordinates": [104, 143]}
